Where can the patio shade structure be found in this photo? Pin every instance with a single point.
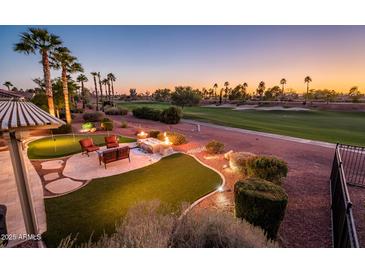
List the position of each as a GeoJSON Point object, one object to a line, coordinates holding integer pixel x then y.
{"type": "Point", "coordinates": [19, 116]}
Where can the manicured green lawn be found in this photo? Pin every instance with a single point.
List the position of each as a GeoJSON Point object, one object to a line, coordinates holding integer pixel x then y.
{"type": "Point", "coordinates": [96, 207]}
{"type": "Point", "coordinates": [329, 126]}
{"type": "Point", "coordinates": [63, 145]}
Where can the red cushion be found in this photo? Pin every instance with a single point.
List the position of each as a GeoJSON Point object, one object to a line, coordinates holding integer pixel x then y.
{"type": "Point", "coordinates": [111, 139]}
{"type": "Point", "coordinates": [86, 142]}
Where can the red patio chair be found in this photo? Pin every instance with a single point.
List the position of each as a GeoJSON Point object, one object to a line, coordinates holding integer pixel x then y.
{"type": "Point", "coordinates": [87, 145]}
{"type": "Point", "coordinates": [111, 141]}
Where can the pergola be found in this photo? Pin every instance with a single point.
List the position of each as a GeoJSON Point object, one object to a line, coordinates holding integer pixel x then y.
{"type": "Point", "coordinates": [15, 117]}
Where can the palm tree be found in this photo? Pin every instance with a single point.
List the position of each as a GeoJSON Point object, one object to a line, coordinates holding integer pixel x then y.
{"type": "Point", "coordinates": [94, 74]}
{"type": "Point", "coordinates": [283, 83]}
{"type": "Point", "coordinates": [226, 84]}
{"type": "Point", "coordinates": [244, 89]}
{"type": "Point", "coordinates": [215, 86]}
{"type": "Point", "coordinates": [101, 92]}
{"type": "Point", "coordinates": [82, 78]}
{"type": "Point", "coordinates": [40, 40]}
{"type": "Point", "coordinates": [261, 88]}
{"type": "Point", "coordinates": [8, 84]}
{"type": "Point", "coordinates": [112, 79]}
{"type": "Point", "coordinates": [106, 84]}
{"type": "Point", "coordinates": [307, 80]}
{"type": "Point", "coordinates": [61, 58]}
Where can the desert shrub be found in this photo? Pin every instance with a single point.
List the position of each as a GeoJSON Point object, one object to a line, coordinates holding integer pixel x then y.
{"type": "Point", "coordinates": [124, 124]}
{"type": "Point", "coordinates": [96, 116]}
{"type": "Point", "coordinates": [214, 147]}
{"type": "Point", "coordinates": [261, 203]}
{"type": "Point", "coordinates": [64, 129]}
{"type": "Point", "coordinates": [147, 113]}
{"type": "Point", "coordinates": [116, 111]}
{"type": "Point", "coordinates": [174, 137]}
{"type": "Point", "coordinates": [268, 168]}
{"type": "Point", "coordinates": [154, 133]}
{"type": "Point", "coordinates": [107, 124]}
{"type": "Point", "coordinates": [199, 229]}
{"type": "Point", "coordinates": [77, 110]}
{"type": "Point", "coordinates": [87, 125]}
{"type": "Point", "coordinates": [239, 161]}
{"type": "Point", "coordinates": [171, 115]}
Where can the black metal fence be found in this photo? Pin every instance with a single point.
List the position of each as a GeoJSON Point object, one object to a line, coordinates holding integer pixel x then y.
{"type": "Point", "coordinates": [343, 226]}
{"type": "Point", "coordinates": [353, 159]}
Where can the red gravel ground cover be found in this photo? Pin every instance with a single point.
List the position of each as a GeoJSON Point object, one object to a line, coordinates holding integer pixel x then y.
{"type": "Point", "coordinates": [307, 221]}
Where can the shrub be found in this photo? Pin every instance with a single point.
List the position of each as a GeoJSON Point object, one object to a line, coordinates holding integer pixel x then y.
{"type": "Point", "coordinates": [174, 137]}
{"type": "Point", "coordinates": [96, 116]}
{"type": "Point", "coordinates": [116, 111]}
{"type": "Point", "coordinates": [268, 168]}
{"type": "Point", "coordinates": [89, 106]}
{"type": "Point", "coordinates": [171, 115]}
{"type": "Point", "coordinates": [107, 124]}
{"type": "Point", "coordinates": [77, 110]}
{"type": "Point", "coordinates": [214, 147]}
{"type": "Point", "coordinates": [261, 203]}
{"type": "Point", "coordinates": [64, 129]}
{"type": "Point", "coordinates": [124, 124]}
{"type": "Point", "coordinates": [196, 229]}
{"type": "Point", "coordinates": [87, 125]}
{"type": "Point", "coordinates": [239, 161]}
{"type": "Point", "coordinates": [147, 113]}
{"type": "Point", "coordinates": [154, 133]}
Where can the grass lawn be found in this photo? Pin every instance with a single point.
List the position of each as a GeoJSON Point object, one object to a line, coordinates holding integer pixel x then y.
{"type": "Point", "coordinates": [329, 126]}
{"type": "Point", "coordinates": [96, 207]}
{"type": "Point", "coordinates": [63, 145]}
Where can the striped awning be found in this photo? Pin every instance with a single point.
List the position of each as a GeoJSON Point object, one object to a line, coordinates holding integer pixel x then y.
{"type": "Point", "coordinates": [21, 115]}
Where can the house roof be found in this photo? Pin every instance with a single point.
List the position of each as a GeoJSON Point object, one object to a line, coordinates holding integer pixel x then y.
{"type": "Point", "coordinates": [21, 115]}
{"type": "Point", "coordinates": [15, 94]}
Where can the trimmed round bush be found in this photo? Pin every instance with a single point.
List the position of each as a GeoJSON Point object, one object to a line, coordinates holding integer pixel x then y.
{"type": "Point", "coordinates": [214, 147]}
{"type": "Point", "coordinates": [147, 113]}
{"type": "Point", "coordinates": [87, 125]}
{"type": "Point", "coordinates": [116, 111]}
{"type": "Point", "coordinates": [154, 133]}
{"type": "Point", "coordinates": [268, 168]}
{"type": "Point", "coordinates": [96, 116]}
{"type": "Point", "coordinates": [107, 124]}
{"type": "Point", "coordinates": [239, 161]}
{"type": "Point", "coordinates": [64, 129]}
{"type": "Point", "coordinates": [171, 115]}
{"type": "Point", "coordinates": [174, 137]}
{"type": "Point", "coordinates": [261, 203]}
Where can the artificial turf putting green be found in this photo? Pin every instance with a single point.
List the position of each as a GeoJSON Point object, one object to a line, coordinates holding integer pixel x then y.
{"type": "Point", "coordinates": [99, 205]}
{"type": "Point", "coordinates": [329, 126]}
{"type": "Point", "coordinates": [63, 145]}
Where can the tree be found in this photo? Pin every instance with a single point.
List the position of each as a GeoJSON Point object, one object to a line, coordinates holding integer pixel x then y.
{"type": "Point", "coordinates": [61, 58]}
{"type": "Point", "coordinates": [307, 80]}
{"type": "Point", "coordinates": [41, 41]}
{"type": "Point", "coordinates": [106, 84]}
{"type": "Point", "coordinates": [101, 91]}
{"type": "Point", "coordinates": [8, 84]}
{"type": "Point", "coordinates": [112, 79]}
{"type": "Point", "coordinates": [133, 93]}
{"type": "Point", "coordinates": [185, 96]}
{"type": "Point", "coordinates": [272, 93]}
{"type": "Point", "coordinates": [261, 89]}
{"type": "Point", "coordinates": [282, 83]}
{"type": "Point", "coordinates": [226, 84]}
{"type": "Point", "coordinates": [215, 87]}
{"type": "Point", "coordinates": [354, 94]}
{"type": "Point", "coordinates": [162, 95]}
{"type": "Point", "coordinates": [82, 79]}
{"type": "Point", "coordinates": [94, 74]}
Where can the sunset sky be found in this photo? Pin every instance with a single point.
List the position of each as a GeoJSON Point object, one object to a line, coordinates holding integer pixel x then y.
{"type": "Point", "coordinates": [151, 57]}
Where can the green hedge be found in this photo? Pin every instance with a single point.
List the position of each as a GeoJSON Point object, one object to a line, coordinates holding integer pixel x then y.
{"type": "Point", "coordinates": [268, 168]}
{"type": "Point", "coordinates": [96, 116]}
{"type": "Point", "coordinates": [107, 124]}
{"type": "Point", "coordinates": [238, 161]}
{"type": "Point", "coordinates": [174, 137]}
{"type": "Point", "coordinates": [261, 203]}
{"type": "Point", "coordinates": [171, 115]}
{"type": "Point", "coordinates": [147, 113]}
{"type": "Point", "coordinates": [116, 111]}
{"type": "Point", "coordinates": [64, 129]}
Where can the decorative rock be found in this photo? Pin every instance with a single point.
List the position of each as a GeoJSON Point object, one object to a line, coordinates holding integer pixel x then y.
{"type": "Point", "coordinates": [63, 185]}
{"type": "Point", "coordinates": [51, 176]}
{"type": "Point", "coordinates": [55, 164]}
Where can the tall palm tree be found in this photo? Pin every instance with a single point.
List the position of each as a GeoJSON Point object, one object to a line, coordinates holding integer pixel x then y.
{"type": "Point", "coordinates": [226, 84]}
{"type": "Point", "coordinates": [283, 83]}
{"type": "Point", "coordinates": [8, 84]}
{"type": "Point", "coordinates": [61, 58]}
{"type": "Point", "coordinates": [94, 74]}
{"type": "Point", "coordinates": [101, 91]}
{"type": "Point", "coordinates": [215, 87]}
{"type": "Point", "coordinates": [112, 79]}
{"type": "Point", "coordinates": [41, 41]}
{"type": "Point", "coordinates": [82, 79]}
{"type": "Point", "coordinates": [106, 84]}
{"type": "Point", "coordinates": [261, 88]}
{"type": "Point", "coordinates": [307, 80]}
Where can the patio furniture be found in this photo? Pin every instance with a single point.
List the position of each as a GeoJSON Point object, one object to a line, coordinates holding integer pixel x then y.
{"type": "Point", "coordinates": [113, 154]}
{"type": "Point", "coordinates": [87, 145]}
{"type": "Point", "coordinates": [151, 145]}
{"type": "Point", "coordinates": [111, 141]}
